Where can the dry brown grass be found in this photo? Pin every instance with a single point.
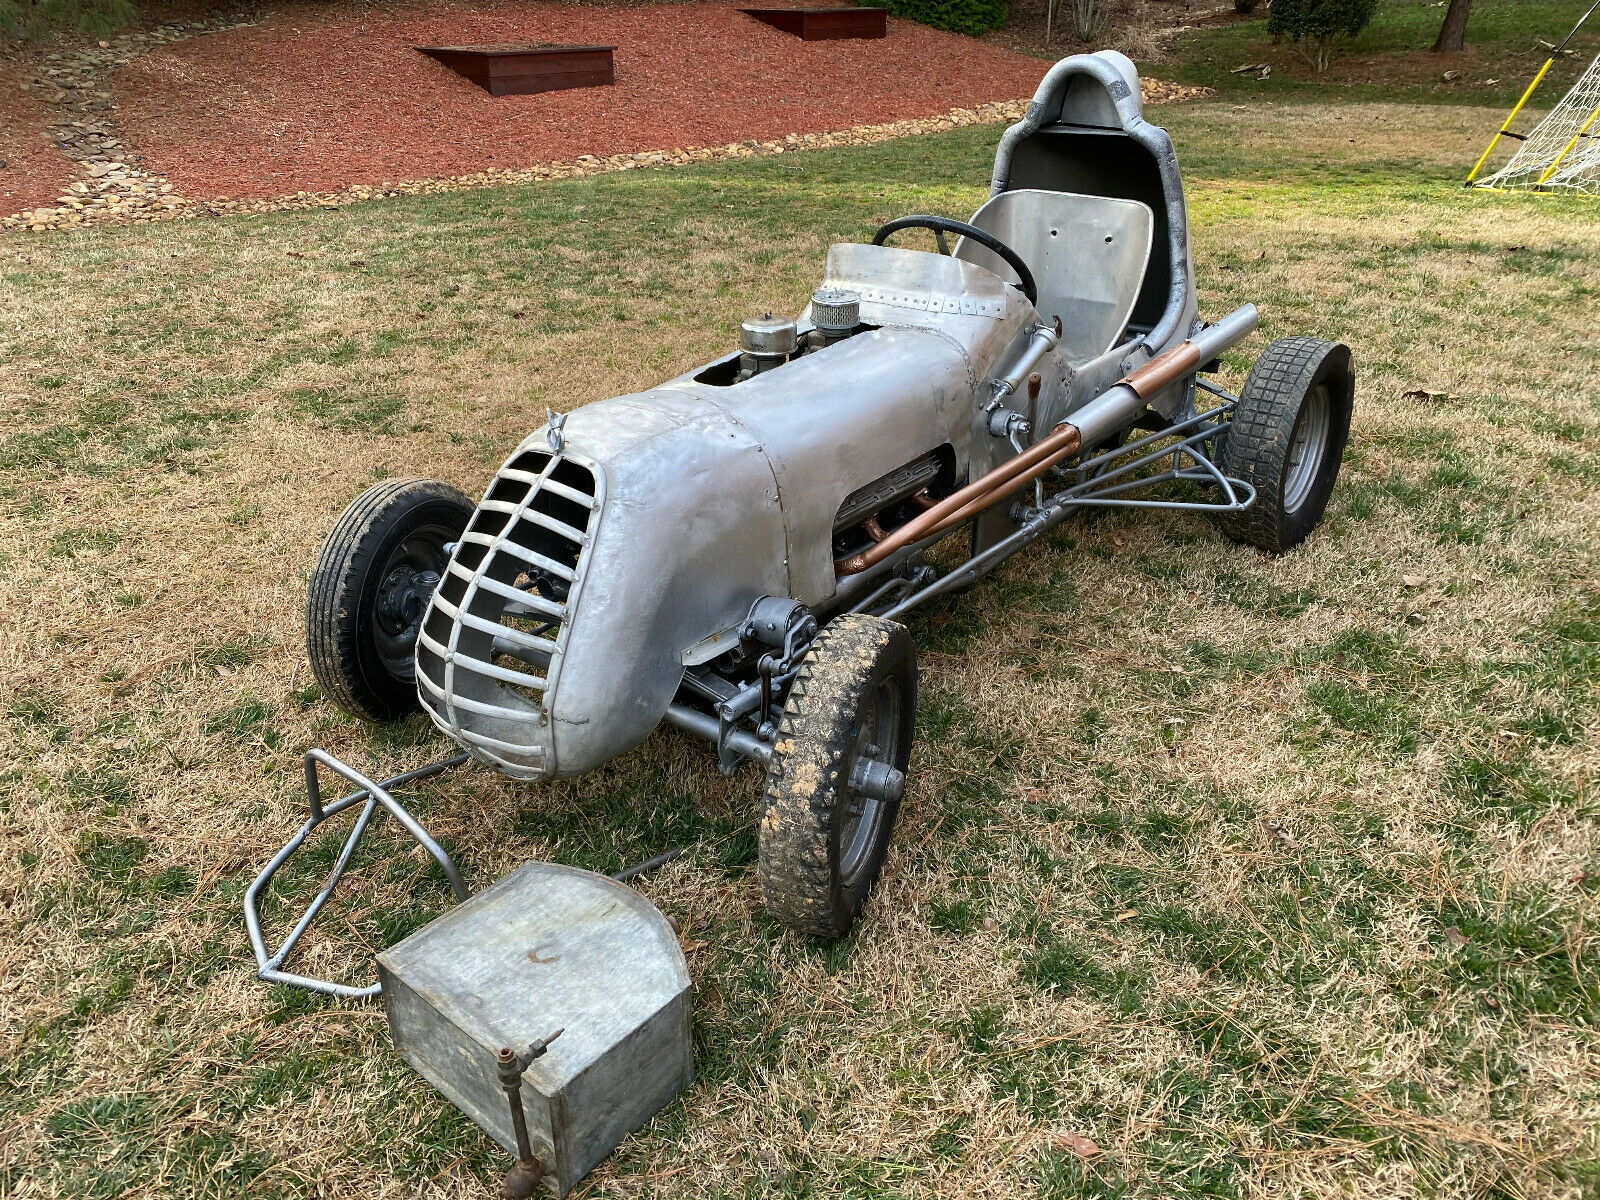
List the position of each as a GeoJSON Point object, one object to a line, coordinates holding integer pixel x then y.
{"type": "Point", "coordinates": [1085, 925]}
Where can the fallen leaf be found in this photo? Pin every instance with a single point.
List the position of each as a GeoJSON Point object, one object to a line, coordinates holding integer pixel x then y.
{"type": "Point", "coordinates": [225, 671]}
{"type": "Point", "coordinates": [1081, 1146]}
{"type": "Point", "coordinates": [1128, 915]}
{"type": "Point", "coordinates": [1274, 828]}
{"type": "Point", "coordinates": [1116, 540]}
{"type": "Point", "coordinates": [1456, 938]}
{"type": "Point", "coordinates": [1413, 580]}
{"type": "Point", "coordinates": [517, 316]}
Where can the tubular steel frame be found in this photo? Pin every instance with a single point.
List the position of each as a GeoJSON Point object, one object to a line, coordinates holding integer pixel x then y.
{"type": "Point", "coordinates": [370, 795]}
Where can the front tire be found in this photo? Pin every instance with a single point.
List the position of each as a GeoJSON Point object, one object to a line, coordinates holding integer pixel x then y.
{"type": "Point", "coordinates": [1287, 440]}
{"type": "Point", "coordinates": [822, 844]}
{"type": "Point", "coordinates": [371, 585]}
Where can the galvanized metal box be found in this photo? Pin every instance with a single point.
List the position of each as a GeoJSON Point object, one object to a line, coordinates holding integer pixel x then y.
{"type": "Point", "coordinates": [546, 948]}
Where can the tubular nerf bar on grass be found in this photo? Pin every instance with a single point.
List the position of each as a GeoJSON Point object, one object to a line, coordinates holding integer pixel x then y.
{"type": "Point", "coordinates": [730, 552]}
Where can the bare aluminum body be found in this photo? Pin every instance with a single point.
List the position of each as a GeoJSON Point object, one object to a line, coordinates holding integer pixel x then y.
{"type": "Point", "coordinates": [714, 495]}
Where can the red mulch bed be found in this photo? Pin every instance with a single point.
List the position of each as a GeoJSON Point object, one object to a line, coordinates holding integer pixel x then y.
{"type": "Point", "coordinates": [318, 99]}
{"type": "Point", "coordinates": [35, 172]}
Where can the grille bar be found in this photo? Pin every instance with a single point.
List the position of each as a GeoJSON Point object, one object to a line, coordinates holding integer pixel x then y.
{"type": "Point", "coordinates": [551, 486]}
{"type": "Point", "coordinates": [525, 599]}
{"type": "Point", "coordinates": [491, 670]}
{"type": "Point", "coordinates": [463, 702]}
{"type": "Point", "coordinates": [492, 628]}
{"type": "Point", "coordinates": [554, 526]}
{"type": "Point", "coordinates": [514, 750]}
{"type": "Point", "coordinates": [532, 558]}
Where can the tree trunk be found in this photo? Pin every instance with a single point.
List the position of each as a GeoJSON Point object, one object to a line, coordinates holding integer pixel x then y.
{"type": "Point", "coordinates": [1453, 35]}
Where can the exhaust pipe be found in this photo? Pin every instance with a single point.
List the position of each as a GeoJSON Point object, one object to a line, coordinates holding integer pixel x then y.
{"type": "Point", "coordinates": [1104, 415]}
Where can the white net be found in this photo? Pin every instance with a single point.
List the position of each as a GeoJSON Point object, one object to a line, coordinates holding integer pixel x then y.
{"type": "Point", "coordinates": [1563, 151]}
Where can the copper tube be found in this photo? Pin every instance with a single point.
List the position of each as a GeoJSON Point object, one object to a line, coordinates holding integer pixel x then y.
{"type": "Point", "coordinates": [1063, 440]}
{"type": "Point", "coordinates": [1160, 372]}
{"type": "Point", "coordinates": [1163, 370]}
{"type": "Point", "coordinates": [922, 500]}
{"type": "Point", "coordinates": [977, 506]}
{"type": "Point", "coordinates": [874, 530]}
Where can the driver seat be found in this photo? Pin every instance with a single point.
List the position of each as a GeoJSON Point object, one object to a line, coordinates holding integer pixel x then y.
{"type": "Point", "coordinates": [1088, 255]}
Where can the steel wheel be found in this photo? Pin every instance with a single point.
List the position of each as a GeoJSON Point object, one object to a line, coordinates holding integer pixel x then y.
{"type": "Point", "coordinates": [876, 736]}
{"type": "Point", "coordinates": [1307, 448]}
{"type": "Point", "coordinates": [1286, 440]}
{"type": "Point", "coordinates": [408, 577]}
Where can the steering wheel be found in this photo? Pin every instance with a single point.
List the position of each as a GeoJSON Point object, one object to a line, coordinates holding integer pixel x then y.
{"type": "Point", "coordinates": [943, 225]}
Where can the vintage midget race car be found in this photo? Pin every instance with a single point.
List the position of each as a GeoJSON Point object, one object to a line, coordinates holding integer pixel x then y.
{"type": "Point", "coordinates": [733, 551]}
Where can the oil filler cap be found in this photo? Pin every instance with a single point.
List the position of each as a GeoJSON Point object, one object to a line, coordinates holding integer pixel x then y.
{"type": "Point", "coordinates": [768, 336]}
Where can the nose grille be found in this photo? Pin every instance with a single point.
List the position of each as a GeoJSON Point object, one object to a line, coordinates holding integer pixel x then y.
{"type": "Point", "coordinates": [490, 648]}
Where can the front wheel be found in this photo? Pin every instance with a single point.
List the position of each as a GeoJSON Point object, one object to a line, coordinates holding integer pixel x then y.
{"type": "Point", "coordinates": [850, 712]}
{"type": "Point", "coordinates": [1287, 440]}
{"type": "Point", "coordinates": [377, 571]}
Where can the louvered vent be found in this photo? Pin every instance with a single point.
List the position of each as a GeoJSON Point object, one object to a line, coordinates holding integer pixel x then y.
{"type": "Point", "coordinates": [491, 645]}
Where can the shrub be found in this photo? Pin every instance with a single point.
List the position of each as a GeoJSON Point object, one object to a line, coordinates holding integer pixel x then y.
{"type": "Point", "coordinates": [35, 19]}
{"type": "Point", "coordinates": [1245, 6]}
{"type": "Point", "coordinates": [1320, 22]}
{"type": "Point", "coordinates": [958, 16]}
{"type": "Point", "coordinates": [1089, 19]}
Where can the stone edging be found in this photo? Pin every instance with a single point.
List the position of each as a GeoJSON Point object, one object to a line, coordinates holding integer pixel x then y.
{"type": "Point", "coordinates": [76, 86]}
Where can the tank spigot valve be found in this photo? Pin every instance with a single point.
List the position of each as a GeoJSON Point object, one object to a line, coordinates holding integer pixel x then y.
{"type": "Point", "coordinates": [523, 1179]}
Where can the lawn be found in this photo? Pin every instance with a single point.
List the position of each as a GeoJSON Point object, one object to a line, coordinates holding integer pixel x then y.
{"type": "Point", "coordinates": [1390, 60]}
{"type": "Point", "coordinates": [1271, 877]}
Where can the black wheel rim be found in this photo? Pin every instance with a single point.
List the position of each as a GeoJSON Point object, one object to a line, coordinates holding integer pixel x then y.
{"type": "Point", "coordinates": [406, 579]}
{"type": "Point", "coordinates": [875, 735]}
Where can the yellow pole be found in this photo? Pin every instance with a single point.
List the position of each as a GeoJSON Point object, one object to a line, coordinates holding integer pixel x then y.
{"type": "Point", "coordinates": [1537, 79]}
{"type": "Point", "coordinates": [1567, 149]}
